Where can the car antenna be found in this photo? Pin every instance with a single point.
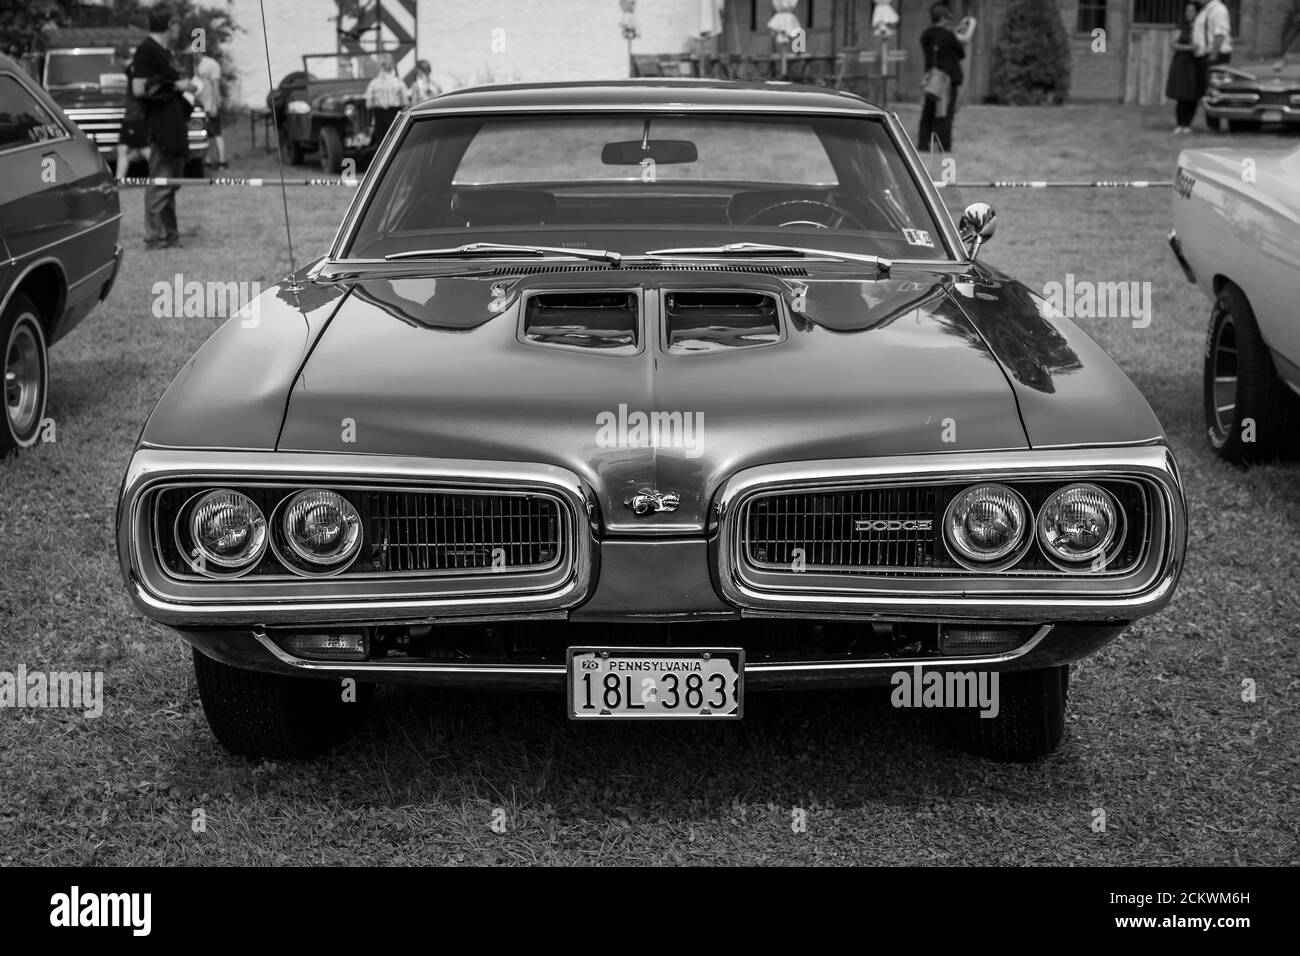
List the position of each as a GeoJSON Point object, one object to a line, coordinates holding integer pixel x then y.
{"type": "Point", "coordinates": [292, 284]}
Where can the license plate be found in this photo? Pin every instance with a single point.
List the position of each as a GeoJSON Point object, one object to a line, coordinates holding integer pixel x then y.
{"type": "Point", "coordinates": [679, 683]}
{"type": "Point", "coordinates": [1271, 116]}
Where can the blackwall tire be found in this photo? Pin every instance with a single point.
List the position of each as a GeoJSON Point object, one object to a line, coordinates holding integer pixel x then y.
{"type": "Point", "coordinates": [26, 374]}
{"type": "Point", "coordinates": [1030, 720]}
{"type": "Point", "coordinates": [268, 715]}
{"type": "Point", "coordinates": [1250, 415]}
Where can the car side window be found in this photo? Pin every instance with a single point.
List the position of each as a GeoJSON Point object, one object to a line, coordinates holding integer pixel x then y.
{"type": "Point", "coordinates": [23, 119]}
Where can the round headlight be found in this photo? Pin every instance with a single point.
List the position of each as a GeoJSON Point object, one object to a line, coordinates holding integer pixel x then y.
{"type": "Point", "coordinates": [321, 528]}
{"type": "Point", "coordinates": [1078, 523]}
{"type": "Point", "coordinates": [227, 530]}
{"type": "Point", "coordinates": [986, 524]}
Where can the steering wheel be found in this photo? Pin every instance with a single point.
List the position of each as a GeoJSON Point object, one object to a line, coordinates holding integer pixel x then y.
{"type": "Point", "coordinates": [835, 216]}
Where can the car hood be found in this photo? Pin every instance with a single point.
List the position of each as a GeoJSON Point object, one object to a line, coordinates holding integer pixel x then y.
{"type": "Point", "coordinates": [439, 368]}
{"type": "Point", "coordinates": [1282, 69]}
{"type": "Point", "coordinates": [83, 99]}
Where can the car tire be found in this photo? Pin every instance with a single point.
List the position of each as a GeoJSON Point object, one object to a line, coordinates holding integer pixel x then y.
{"type": "Point", "coordinates": [1244, 126]}
{"type": "Point", "coordinates": [1250, 415]}
{"type": "Point", "coordinates": [1030, 720]}
{"type": "Point", "coordinates": [26, 374]}
{"type": "Point", "coordinates": [269, 715]}
{"type": "Point", "coordinates": [330, 145]}
{"type": "Point", "coordinates": [290, 151]}
{"type": "Point", "coordinates": [1214, 123]}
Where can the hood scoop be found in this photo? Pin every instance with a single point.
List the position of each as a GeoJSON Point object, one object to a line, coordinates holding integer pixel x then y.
{"type": "Point", "coordinates": [709, 321]}
{"type": "Point", "coordinates": [609, 322]}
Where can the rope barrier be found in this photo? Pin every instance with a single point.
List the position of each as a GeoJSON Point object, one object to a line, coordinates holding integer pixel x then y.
{"type": "Point", "coordinates": [254, 181]}
{"type": "Point", "coordinates": [1063, 184]}
{"type": "Point", "coordinates": [251, 181]}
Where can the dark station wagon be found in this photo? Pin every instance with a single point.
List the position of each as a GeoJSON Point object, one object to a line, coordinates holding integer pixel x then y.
{"type": "Point", "coordinates": [653, 393]}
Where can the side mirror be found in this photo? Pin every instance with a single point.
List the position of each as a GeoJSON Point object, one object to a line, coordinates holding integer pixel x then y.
{"type": "Point", "coordinates": [978, 223]}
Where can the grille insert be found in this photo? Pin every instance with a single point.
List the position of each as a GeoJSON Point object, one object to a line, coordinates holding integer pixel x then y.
{"type": "Point", "coordinates": [898, 531]}
{"type": "Point", "coordinates": [424, 533]}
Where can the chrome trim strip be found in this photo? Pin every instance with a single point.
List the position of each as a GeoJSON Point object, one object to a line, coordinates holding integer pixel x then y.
{"type": "Point", "coordinates": [61, 240]}
{"type": "Point", "coordinates": [305, 601]}
{"type": "Point", "coordinates": [997, 598]}
{"type": "Point", "coordinates": [390, 669]}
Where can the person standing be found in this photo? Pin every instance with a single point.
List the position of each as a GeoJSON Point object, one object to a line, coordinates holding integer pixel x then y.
{"type": "Point", "coordinates": [385, 97]}
{"type": "Point", "coordinates": [1182, 85]}
{"type": "Point", "coordinates": [133, 139]}
{"type": "Point", "coordinates": [207, 77]}
{"type": "Point", "coordinates": [423, 87]}
{"type": "Point", "coordinates": [157, 84]}
{"type": "Point", "coordinates": [1212, 40]}
{"type": "Point", "coordinates": [943, 53]}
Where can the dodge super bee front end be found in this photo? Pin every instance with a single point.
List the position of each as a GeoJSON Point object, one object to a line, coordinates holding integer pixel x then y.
{"type": "Point", "coordinates": [649, 393]}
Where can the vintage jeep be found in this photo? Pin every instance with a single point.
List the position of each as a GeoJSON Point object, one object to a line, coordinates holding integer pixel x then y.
{"type": "Point", "coordinates": [83, 68]}
{"type": "Point", "coordinates": [322, 109]}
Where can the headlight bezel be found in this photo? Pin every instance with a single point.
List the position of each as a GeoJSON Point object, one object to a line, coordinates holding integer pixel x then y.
{"type": "Point", "coordinates": [296, 559]}
{"type": "Point", "coordinates": [1000, 560]}
{"type": "Point", "coordinates": [1087, 563]}
{"type": "Point", "coordinates": [202, 560]}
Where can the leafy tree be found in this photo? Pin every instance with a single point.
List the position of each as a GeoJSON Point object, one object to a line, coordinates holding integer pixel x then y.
{"type": "Point", "coordinates": [1031, 62]}
{"type": "Point", "coordinates": [21, 23]}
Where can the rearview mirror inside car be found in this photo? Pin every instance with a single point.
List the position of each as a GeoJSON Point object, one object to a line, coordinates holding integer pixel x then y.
{"type": "Point", "coordinates": [633, 152]}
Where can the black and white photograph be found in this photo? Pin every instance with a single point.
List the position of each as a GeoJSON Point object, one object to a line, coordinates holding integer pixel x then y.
{"type": "Point", "coordinates": [650, 433]}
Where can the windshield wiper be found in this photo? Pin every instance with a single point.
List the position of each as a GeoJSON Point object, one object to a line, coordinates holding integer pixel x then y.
{"type": "Point", "coordinates": [496, 248]}
{"type": "Point", "coordinates": [754, 249]}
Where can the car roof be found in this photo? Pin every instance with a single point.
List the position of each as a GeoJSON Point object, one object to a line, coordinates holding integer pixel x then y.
{"type": "Point", "coordinates": [651, 93]}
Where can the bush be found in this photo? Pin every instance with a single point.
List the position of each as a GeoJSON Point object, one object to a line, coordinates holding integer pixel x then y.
{"type": "Point", "coordinates": [1031, 62]}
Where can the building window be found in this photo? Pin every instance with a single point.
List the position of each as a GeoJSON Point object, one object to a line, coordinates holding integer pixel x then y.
{"type": "Point", "coordinates": [1170, 12]}
{"type": "Point", "coordinates": [1092, 15]}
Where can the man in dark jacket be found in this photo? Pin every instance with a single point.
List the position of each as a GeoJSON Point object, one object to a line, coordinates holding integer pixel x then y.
{"type": "Point", "coordinates": [157, 84]}
{"type": "Point", "coordinates": [943, 52]}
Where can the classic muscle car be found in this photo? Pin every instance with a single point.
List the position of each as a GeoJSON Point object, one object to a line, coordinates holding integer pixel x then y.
{"type": "Point", "coordinates": [1236, 233]}
{"type": "Point", "coordinates": [1249, 94]}
{"type": "Point", "coordinates": [59, 255]}
{"type": "Point", "coordinates": [657, 393]}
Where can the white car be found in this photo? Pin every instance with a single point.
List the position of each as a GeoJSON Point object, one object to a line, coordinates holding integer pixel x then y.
{"type": "Point", "coordinates": [1236, 233]}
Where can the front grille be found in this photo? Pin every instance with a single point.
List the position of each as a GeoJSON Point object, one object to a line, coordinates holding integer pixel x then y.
{"type": "Point", "coordinates": [898, 531]}
{"type": "Point", "coordinates": [812, 531]}
{"type": "Point", "coordinates": [410, 531]}
{"type": "Point", "coordinates": [424, 533]}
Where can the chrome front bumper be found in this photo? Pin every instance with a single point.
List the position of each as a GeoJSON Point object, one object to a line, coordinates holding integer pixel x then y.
{"type": "Point", "coordinates": [1050, 646]}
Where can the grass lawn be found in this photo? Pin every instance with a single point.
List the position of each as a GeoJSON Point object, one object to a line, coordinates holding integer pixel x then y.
{"type": "Point", "coordinates": [1158, 736]}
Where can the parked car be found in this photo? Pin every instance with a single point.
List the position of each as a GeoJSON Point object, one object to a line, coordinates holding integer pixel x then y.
{"type": "Point", "coordinates": [655, 392]}
{"type": "Point", "coordinates": [59, 254]}
{"type": "Point", "coordinates": [322, 109]}
{"type": "Point", "coordinates": [1236, 216]}
{"type": "Point", "coordinates": [1249, 94]}
{"type": "Point", "coordinates": [83, 69]}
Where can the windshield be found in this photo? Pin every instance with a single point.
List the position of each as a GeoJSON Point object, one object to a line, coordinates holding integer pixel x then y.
{"type": "Point", "coordinates": [79, 69]}
{"type": "Point", "coordinates": [631, 182]}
